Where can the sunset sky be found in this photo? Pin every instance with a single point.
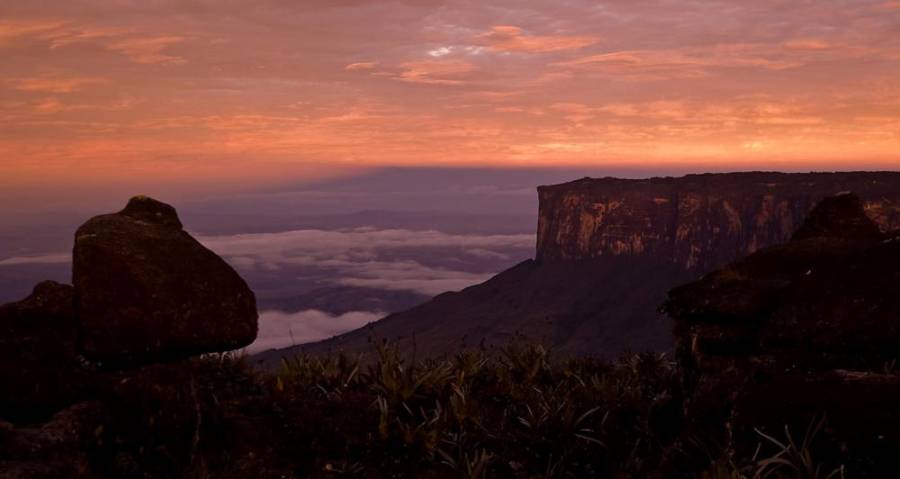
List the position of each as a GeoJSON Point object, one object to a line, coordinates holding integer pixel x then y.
{"type": "Point", "coordinates": [221, 92]}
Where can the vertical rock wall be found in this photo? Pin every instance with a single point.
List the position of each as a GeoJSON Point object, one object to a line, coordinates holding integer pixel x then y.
{"type": "Point", "coordinates": [697, 221]}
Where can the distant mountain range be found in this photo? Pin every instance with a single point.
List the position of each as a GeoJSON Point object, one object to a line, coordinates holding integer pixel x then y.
{"type": "Point", "coordinates": [345, 299]}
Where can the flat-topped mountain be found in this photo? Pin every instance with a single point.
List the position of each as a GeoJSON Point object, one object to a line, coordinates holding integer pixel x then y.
{"type": "Point", "coordinates": [697, 221]}
{"type": "Point", "coordinates": [609, 249]}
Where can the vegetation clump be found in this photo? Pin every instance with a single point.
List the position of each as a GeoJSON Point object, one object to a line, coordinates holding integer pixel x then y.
{"type": "Point", "coordinates": [514, 413]}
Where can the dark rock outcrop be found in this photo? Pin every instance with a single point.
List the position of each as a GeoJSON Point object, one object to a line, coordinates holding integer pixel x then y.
{"type": "Point", "coordinates": [146, 290]}
{"type": "Point", "coordinates": [841, 217]}
{"type": "Point", "coordinates": [39, 366]}
{"type": "Point", "coordinates": [804, 328]}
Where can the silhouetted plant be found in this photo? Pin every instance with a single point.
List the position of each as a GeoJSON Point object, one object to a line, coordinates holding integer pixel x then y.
{"type": "Point", "coordinates": [519, 413]}
{"type": "Point", "coordinates": [796, 459]}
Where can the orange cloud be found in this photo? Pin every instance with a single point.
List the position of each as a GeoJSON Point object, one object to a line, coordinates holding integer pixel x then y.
{"type": "Point", "coordinates": [361, 66]}
{"type": "Point", "coordinates": [49, 105]}
{"type": "Point", "coordinates": [648, 64]}
{"type": "Point", "coordinates": [10, 30]}
{"type": "Point", "coordinates": [807, 44]}
{"type": "Point", "coordinates": [505, 38]}
{"type": "Point", "coordinates": [436, 72]}
{"type": "Point", "coordinates": [490, 95]}
{"type": "Point", "coordinates": [658, 64]}
{"type": "Point", "coordinates": [55, 84]}
{"type": "Point", "coordinates": [69, 35]}
{"type": "Point", "coordinates": [148, 50]}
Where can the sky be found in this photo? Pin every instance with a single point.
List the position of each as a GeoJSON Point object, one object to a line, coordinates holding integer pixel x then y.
{"type": "Point", "coordinates": [206, 95]}
{"type": "Point", "coordinates": [394, 145]}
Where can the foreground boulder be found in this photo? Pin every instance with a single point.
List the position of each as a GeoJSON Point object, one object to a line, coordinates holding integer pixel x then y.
{"type": "Point", "coordinates": [807, 328]}
{"type": "Point", "coordinates": [146, 290]}
{"type": "Point", "coordinates": [39, 367]}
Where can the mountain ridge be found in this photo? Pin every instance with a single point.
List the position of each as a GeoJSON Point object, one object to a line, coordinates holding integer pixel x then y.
{"type": "Point", "coordinates": [607, 252]}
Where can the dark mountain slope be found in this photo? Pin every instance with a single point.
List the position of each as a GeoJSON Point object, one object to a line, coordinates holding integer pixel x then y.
{"type": "Point", "coordinates": [609, 249]}
{"type": "Point", "coordinates": [553, 303]}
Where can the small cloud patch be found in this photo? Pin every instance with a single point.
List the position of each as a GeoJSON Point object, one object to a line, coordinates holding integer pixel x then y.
{"type": "Point", "coordinates": [278, 329]}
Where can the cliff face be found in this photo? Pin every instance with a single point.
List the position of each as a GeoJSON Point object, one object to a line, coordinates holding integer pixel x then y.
{"type": "Point", "coordinates": [697, 221]}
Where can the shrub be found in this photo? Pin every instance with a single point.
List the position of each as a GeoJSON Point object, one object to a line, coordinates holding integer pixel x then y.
{"type": "Point", "coordinates": [519, 412]}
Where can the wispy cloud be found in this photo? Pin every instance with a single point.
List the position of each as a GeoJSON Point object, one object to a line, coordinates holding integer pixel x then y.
{"type": "Point", "coordinates": [436, 72]}
{"type": "Point", "coordinates": [140, 48]}
{"type": "Point", "coordinates": [11, 29]}
{"type": "Point", "coordinates": [52, 258]}
{"type": "Point", "coordinates": [55, 83]}
{"type": "Point", "coordinates": [660, 64]}
{"type": "Point", "coordinates": [149, 50]}
{"type": "Point", "coordinates": [807, 44]}
{"type": "Point", "coordinates": [361, 66]}
{"type": "Point", "coordinates": [71, 34]}
{"type": "Point", "coordinates": [512, 39]}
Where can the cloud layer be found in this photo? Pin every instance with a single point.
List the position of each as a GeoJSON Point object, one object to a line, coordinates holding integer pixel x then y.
{"type": "Point", "coordinates": [426, 262]}
{"type": "Point", "coordinates": [51, 258]}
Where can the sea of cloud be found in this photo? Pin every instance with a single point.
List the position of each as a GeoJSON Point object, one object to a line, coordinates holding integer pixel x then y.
{"type": "Point", "coordinates": [426, 262]}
